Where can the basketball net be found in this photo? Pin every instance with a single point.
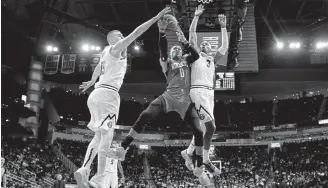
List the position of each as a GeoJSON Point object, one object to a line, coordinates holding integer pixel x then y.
{"type": "Point", "coordinates": [205, 1]}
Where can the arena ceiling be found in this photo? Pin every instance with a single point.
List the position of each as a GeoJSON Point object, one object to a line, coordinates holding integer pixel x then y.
{"type": "Point", "coordinates": [33, 23]}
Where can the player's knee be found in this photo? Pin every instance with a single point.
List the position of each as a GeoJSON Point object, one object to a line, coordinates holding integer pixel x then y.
{"type": "Point", "coordinates": [210, 127]}
{"type": "Point", "coordinates": [198, 138]}
{"type": "Point", "coordinates": [97, 137]}
{"type": "Point", "coordinates": [146, 116]}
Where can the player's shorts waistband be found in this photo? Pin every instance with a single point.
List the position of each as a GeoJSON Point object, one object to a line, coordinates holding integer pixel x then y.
{"type": "Point", "coordinates": [105, 86]}
{"type": "Point", "coordinates": [201, 86]}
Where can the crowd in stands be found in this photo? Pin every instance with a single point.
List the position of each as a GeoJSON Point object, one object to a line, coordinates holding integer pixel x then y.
{"type": "Point", "coordinates": [168, 169]}
{"type": "Point", "coordinates": [30, 161]}
{"type": "Point", "coordinates": [301, 164]}
{"type": "Point", "coordinates": [297, 164]}
{"type": "Point", "coordinates": [132, 166]}
{"type": "Point", "coordinates": [239, 116]}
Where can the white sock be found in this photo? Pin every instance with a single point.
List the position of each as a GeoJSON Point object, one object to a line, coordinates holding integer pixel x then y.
{"type": "Point", "coordinates": [206, 156]}
{"type": "Point", "coordinates": [191, 147]}
{"type": "Point", "coordinates": [91, 151]}
{"type": "Point", "coordinates": [105, 143]}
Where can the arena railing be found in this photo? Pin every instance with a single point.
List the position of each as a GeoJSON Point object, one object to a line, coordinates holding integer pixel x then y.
{"type": "Point", "coordinates": [13, 178]}
{"type": "Point", "coordinates": [66, 161]}
{"type": "Point", "coordinates": [24, 171]}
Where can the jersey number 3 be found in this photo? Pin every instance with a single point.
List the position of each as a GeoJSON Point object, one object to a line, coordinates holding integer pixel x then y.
{"type": "Point", "coordinates": [181, 72]}
{"type": "Point", "coordinates": [208, 63]}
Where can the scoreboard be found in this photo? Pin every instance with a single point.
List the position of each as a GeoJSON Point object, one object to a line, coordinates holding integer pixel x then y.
{"type": "Point", "coordinates": [225, 81]}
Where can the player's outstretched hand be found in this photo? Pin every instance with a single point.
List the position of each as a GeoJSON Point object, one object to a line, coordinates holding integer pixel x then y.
{"type": "Point", "coordinates": [181, 37]}
{"type": "Point", "coordinates": [162, 25]}
{"type": "Point", "coordinates": [86, 85]}
{"type": "Point", "coordinates": [199, 10]}
{"type": "Point", "coordinates": [162, 13]}
{"type": "Point", "coordinates": [222, 20]}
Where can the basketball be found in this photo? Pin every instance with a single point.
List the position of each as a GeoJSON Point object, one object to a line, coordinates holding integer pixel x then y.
{"type": "Point", "coordinates": [173, 25]}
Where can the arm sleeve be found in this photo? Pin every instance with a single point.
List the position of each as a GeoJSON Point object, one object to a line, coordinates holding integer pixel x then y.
{"type": "Point", "coordinates": [162, 44]}
{"type": "Point", "coordinates": [225, 42]}
{"type": "Point", "coordinates": [193, 54]}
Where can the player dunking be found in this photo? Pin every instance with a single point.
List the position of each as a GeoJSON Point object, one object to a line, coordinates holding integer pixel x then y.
{"type": "Point", "coordinates": [104, 101]}
{"type": "Point", "coordinates": [176, 97]}
{"type": "Point", "coordinates": [202, 87]}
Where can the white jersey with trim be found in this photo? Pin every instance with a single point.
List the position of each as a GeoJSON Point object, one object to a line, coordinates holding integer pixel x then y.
{"type": "Point", "coordinates": [203, 71]}
{"type": "Point", "coordinates": [111, 165]}
{"type": "Point", "coordinates": [112, 69]}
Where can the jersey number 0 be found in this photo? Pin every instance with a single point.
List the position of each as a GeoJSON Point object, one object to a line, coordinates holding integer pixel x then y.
{"type": "Point", "coordinates": [181, 72]}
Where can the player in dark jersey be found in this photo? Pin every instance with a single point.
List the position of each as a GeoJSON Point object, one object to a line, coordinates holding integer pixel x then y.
{"type": "Point", "coordinates": [176, 98]}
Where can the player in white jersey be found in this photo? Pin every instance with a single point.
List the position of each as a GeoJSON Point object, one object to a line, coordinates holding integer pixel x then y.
{"type": "Point", "coordinates": [202, 88]}
{"type": "Point", "coordinates": [111, 179]}
{"type": "Point", "coordinates": [104, 101]}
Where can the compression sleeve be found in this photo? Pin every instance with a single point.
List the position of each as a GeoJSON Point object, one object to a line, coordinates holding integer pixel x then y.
{"type": "Point", "coordinates": [162, 44]}
{"type": "Point", "coordinates": [193, 54]}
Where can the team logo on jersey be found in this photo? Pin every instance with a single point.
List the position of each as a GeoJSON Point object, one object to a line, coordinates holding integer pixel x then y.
{"type": "Point", "coordinates": [112, 120]}
{"type": "Point", "coordinates": [176, 65]}
{"type": "Point", "coordinates": [201, 115]}
{"type": "Point", "coordinates": [110, 124]}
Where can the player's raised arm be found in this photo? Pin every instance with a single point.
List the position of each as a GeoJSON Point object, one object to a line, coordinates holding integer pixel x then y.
{"type": "Point", "coordinates": [125, 42]}
{"type": "Point", "coordinates": [193, 53]}
{"type": "Point", "coordinates": [96, 73]}
{"type": "Point", "coordinates": [162, 44]}
{"type": "Point", "coordinates": [192, 30]}
{"type": "Point", "coordinates": [225, 40]}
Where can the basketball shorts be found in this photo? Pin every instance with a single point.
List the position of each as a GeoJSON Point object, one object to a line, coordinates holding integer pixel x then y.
{"type": "Point", "coordinates": [104, 107]}
{"type": "Point", "coordinates": [111, 180]}
{"type": "Point", "coordinates": [176, 100]}
{"type": "Point", "coordinates": [203, 99]}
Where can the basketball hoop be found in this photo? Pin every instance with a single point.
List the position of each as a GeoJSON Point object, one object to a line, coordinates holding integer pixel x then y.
{"type": "Point", "coordinates": [205, 1]}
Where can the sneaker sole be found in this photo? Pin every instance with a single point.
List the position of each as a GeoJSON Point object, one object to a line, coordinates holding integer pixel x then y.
{"type": "Point", "coordinates": [185, 157]}
{"type": "Point", "coordinates": [93, 185]}
{"type": "Point", "coordinates": [79, 180]}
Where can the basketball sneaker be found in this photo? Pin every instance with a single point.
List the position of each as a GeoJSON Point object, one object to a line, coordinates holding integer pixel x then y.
{"type": "Point", "coordinates": [82, 176]}
{"type": "Point", "coordinates": [212, 168]}
{"type": "Point", "coordinates": [188, 160]}
{"type": "Point", "coordinates": [115, 153]}
{"type": "Point", "coordinates": [95, 181]}
{"type": "Point", "coordinates": [202, 176]}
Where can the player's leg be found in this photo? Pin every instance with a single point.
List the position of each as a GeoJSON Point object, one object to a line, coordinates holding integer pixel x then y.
{"type": "Point", "coordinates": [92, 150]}
{"type": "Point", "coordinates": [82, 174]}
{"type": "Point", "coordinates": [106, 116]}
{"type": "Point", "coordinates": [210, 130]}
{"type": "Point", "coordinates": [107, 180]}
{"type": "Point", "coordinates": [156, 107]}
{"type": "Point", "coordinates": [204, 104]}
{"type": "Point", "coordinates": [114, 180]}
{"type": "Point", "coordinates": [195, 125]}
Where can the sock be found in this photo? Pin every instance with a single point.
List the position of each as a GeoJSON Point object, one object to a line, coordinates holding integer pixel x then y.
{"type": "Point", "coordinates": [191, 147]}
{"type": "Point", "coordinates": [105, 142]}
{"type": "Point", "coordinates": [91, 151]}
{"type": "Point", "coordinates": [206, 156]}
{"type": "Point", "coordinates": [127, 141]}
{"type": "Point", "coordinates": [199, 155]}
